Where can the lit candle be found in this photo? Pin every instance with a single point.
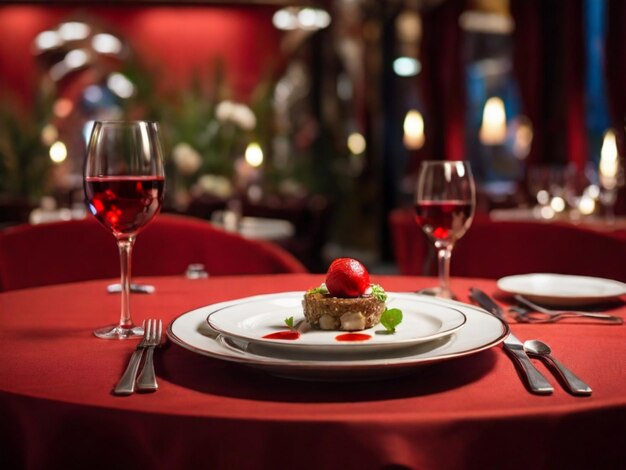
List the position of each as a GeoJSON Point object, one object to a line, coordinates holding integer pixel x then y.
{"type": "Point", "coordinates": [523, 138]}
{"type": "Point", "coordinates": [493, 127]}
{"type": "Point", "coordinates": [58, 152]}
{"type": "Point", "coordinates": [247, 168]}
{"type": "Point", "coordinates": [356, 143]}
{"type": "Point", "coordinates": [413, 130]}
{"type": "Point", "coordinates": [254, 155]}
{"type": "Point", "coordinates": [609, 162]}
{"type": "Point", "coordinates": [586, 205]}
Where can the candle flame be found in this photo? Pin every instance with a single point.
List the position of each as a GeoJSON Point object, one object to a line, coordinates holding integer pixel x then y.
{"type": "Point", "coordinates": [356, 143]}
{"type": "Point", "coordinates": [609, 162]}
{"type": "Point", "coordinates": [413, 130]}
{"type": "Point", "coordinates": [493, 127]}
{"type": "Point", "coordinates": [58, 152]}
{"type": "Point", "coordinates": [254, 155]}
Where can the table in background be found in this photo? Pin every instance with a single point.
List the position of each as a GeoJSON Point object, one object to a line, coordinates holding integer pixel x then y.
{"type": "Point", "coordinates": [254, 228]}
{"type": "Point", "coordinates": [473, 412]}
{"type": "Point", "coordinates": [617, 226]}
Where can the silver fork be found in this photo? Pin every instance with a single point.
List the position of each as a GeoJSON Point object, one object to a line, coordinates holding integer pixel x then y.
{"type": "Point", "coordinates": [555, 315]}
{"type": "Point", "coordinates": [147, 378]}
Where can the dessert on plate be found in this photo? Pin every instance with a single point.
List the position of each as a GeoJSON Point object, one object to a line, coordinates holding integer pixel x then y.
{"type": "Point", "coordinates": [346, 301]}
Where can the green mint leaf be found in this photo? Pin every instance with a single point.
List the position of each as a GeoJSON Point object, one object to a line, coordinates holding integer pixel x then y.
{"type": "Point", "coordinates": [322, 289]}
{"type": "Point", "coordinates": [379, 292]}
{"type": "Point", "coordinates": [391, 318]}
{"type": "Point", "coordinates": [289, 322]}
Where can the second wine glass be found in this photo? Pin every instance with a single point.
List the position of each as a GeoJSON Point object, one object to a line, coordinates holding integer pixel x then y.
{"type": "Point", "coordinates": [124, 185]}
{"type": "Point", "coordinates": [444, 206]}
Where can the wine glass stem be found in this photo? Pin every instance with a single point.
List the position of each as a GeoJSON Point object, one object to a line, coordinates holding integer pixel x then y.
{"type": "Point", "coordinates": [126, 248]}
{"type": "Point", "coordinates": [443, 258]}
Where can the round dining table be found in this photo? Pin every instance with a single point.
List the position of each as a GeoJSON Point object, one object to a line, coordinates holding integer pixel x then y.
{"type": "Point", "coordinates": [58, 409]}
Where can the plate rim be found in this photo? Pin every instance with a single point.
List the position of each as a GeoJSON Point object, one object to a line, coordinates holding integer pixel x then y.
{"type": "Point", "coordinates": [338, 347]}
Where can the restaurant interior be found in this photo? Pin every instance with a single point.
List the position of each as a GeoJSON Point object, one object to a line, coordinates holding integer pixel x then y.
{"type": "Point", "coordinates": [319, 114]}
{"type": "Point", "coordinates": [292, 134]}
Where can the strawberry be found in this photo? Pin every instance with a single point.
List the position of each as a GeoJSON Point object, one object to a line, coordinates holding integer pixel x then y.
{"type": "Point", "coordinates": [347, 277]}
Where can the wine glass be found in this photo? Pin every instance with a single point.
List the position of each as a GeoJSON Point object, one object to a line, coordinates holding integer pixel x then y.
{"type": "Point", "coordinates": [444, 207]}
{"type": "Point", "coordinates": [124, 183]}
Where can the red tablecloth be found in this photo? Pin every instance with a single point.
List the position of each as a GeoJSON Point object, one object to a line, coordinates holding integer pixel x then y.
{"type": "Point", "coordinates": [57, 409]}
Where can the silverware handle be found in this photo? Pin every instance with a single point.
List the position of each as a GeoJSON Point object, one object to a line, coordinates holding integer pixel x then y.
{"type": "Point", "coordinates": [536, 381]}
{"type": "Point", "coordinates": [541, 317]}
{"type": "Point", "coordinates": [147, 377]}
{"type": "Point", "coordinates": [126, 385]}
{"type": "Point", "coordinates": [598, 316]}
{"type": "Point", "coordinates": [574, 384]}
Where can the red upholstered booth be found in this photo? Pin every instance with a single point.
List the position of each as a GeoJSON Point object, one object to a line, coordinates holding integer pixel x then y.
{"type": "Point", "coordinates": [495, 249]}
{"type": "Point", "coordinates": [35, 255]}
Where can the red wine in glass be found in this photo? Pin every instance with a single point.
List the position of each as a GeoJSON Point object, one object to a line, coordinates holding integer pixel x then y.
{"type": "Point", "coordinates": [444, 208]}
{"type": "Point", "coordinates": [446, 221]}
{"type": "Point", "coordinates": [124, 185]}
{"type": "Point", "coordinates": [124, 204]}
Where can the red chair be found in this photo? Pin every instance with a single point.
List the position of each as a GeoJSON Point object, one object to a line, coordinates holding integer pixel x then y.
{"type": "Point", "coordinates": [411, 247]}
{"type": "Point", "coordinates": [496, 249]}
{"type": "Point", "coordinates": [35, 255]}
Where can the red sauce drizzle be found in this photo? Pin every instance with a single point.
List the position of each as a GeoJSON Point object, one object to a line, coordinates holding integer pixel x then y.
{"type": "Point", "coordinates": [353, 337]}
{"type": "Point", "coordinates": [289, 335]}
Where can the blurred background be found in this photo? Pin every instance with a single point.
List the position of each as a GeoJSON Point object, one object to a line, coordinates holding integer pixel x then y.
{"type": "Point", "coordinates": [304, 122]}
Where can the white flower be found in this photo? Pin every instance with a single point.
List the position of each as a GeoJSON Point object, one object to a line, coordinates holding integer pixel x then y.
{"type": "Point", "coordinates": [186, 158]}
{"type": "Point", "coordinates": [236, 113]}
{"type": "Point", "coordinates": [244, 117]}
{"type": "Point", "coordinates": [224, 111]}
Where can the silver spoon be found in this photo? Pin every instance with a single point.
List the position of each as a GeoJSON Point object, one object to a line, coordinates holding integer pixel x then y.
{"type": "Point", "coordinates": [540, 349]}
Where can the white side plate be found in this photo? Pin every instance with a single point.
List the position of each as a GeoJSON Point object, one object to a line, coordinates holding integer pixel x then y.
{"type": "Point", "coordinates": [561, 289]}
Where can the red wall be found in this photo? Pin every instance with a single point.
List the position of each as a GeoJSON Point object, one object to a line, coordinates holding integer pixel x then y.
{"type": "Point", "coordinates": [175, 40]}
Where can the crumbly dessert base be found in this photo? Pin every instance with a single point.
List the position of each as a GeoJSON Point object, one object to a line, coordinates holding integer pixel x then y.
{"type": "Point", "coordinates": [349, 314]}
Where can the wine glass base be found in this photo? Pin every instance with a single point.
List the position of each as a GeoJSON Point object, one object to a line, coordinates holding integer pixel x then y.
{"type": "Point", "coordinates": [437, 292]}
{"type": "Point", "coordinates": [118, 332]}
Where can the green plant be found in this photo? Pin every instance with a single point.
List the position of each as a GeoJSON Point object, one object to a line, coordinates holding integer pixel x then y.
{"type": "Point", "coordinates": [24, 160]}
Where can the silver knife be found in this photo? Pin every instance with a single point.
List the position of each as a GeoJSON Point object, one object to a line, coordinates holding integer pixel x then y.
{"type": "Point", "coordinates": [514, 347]}
{"type": "Point", "coordinates": [126, 385]}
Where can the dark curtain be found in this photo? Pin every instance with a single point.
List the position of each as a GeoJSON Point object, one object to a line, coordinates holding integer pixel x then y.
{"type": "Point", "coordinates": [615, 73]}
{"type": "Point", "coordinates": [443, 82]}
{"type": "Point", "coordinates": [528, 67]}
{"type": "Point", "coordinates": [549, 67]}
{"type": "Point", "coordinates": [615, 60]}
{"type": "Point", "coordinates": [574, 74]}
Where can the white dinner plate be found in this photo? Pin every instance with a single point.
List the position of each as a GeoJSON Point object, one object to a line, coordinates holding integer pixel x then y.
{"type": "Point", "coordinates": [481, 331]}
{"type": "Point", "coordinates": [253, 319]}
{"type": "Point", "coordinates": [562, 290]}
